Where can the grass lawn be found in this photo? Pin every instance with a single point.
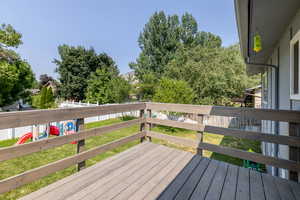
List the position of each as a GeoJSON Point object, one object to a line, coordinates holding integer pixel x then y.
{"type": "Point", "coordinates": [24, 163]}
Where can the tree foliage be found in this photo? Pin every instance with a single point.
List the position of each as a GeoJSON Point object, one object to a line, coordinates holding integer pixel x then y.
{"type": "Point", "coordinates": [215, 74]}
{"type": "Point", "coordinates": [174, 91]}
{"type": "Point", "coordinates": [75, 67]}
{"type": "Point", "coordinates": [45, 99]}
{"type": "Point", "coordinates": [104, 86]}
{"type": "Point", "coordinates": [162, 36]}
{"type": "Point", "coordinates": [9, 37]}
{"type": "Point", "coordinates": [16, 75]}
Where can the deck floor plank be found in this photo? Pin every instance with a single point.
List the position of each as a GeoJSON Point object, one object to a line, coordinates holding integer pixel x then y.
{"type": "Point", "coordinates": [167, 179]}
{"type": "Point", "coordinates": [150, 171]}
{"type": "Point", "coordinates": [229, 188]}
{"type": "Point", "coordinates": [172, 189]}
{"type": "Point", "coordinates": [284, 188]}
{"type": "Point", "coordinates": [215, 190]}
{"type": "Point", "coordinates": [186, 191]}
{"type": "Point", "coordinates": [243, 184]}
{"type": "Point", "coordinates": [130, 189]}
{"type": "Point", "coordinates": [256, 186]}
{"type": "Point", "coordinates": [66, 190]}
{"type": "Point", "coordinates": [270, 188]}
{"type": "Point", "coordinates": [205, 182]}
{"type": "Point", "coordinates": [125, 156]}
{"type": "Point", "coordinates": [121, 183]}
{"type": "Point", "coordinates": [108, 181]}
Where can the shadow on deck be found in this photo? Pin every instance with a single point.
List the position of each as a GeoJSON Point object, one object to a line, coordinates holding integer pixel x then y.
{"type": "Point", "coordinates": [151, 171]}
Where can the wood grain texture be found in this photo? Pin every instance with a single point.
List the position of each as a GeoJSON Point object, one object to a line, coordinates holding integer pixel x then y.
{"type": "Point", "coordinates": [28, 148]}
{"type": "Point", "coordinates": [37, 173]}
{"type": "Point", "coordinates": [256, 157]}
{"type": "Point", "coordinates": [205, 181]}
{"type": "Point", "coordinates": [243, 184]}
{"type": "Point", "coordinates": [173, 139]}
{"type": "Point", "coordinates": [230, 183]}
{"type": "Point", "coordinates": [98, 170]}
{"type": "Point", "coordinates": [25, 118]}
{"type": "Point", "coordinates": [242, 112]}
{"type": "Point", "coordinates": [252, 135]}
{"type": "Point", "coordinates": [189, 126]}
{"type": "Point", "coordinates": [171, 191]}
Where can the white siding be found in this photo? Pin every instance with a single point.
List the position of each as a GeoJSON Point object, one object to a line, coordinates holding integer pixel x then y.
{"type": "Point", "coordinates": [284, 87]}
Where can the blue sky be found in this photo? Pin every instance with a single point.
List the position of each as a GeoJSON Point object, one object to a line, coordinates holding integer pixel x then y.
{"type": "Point", "coordinates": [109, 26]}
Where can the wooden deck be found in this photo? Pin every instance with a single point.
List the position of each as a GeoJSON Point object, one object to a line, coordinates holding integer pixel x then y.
{"type": "Point", "coordinates": [151, 171]}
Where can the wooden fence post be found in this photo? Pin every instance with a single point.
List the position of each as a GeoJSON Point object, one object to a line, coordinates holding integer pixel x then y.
{"type": "Point", "coordinates": [80, 143]}
{"type": "Point", "coordinates": [148, 125]}
{"type": "Point", "coordinates": [200, 134]}
{"type": "Point", "coordinates": [142, 126]}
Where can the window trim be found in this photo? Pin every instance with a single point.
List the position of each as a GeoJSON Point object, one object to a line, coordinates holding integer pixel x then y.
{"type": "Point", "coordinates": [293, 41]}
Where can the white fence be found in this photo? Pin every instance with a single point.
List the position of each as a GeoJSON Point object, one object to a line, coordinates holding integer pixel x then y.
{"type": "Point", "coordinates": [11, 133]}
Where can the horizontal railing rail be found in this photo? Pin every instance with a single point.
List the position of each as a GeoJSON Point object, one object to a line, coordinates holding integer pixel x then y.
{"type": "Point", "coordinates": [36, 117]}
{"type": "Point", "coordinates": [37, 173]}
{"type": "Point", "coordinates": [242, 112]}
{"type": "Point", "coordinates": [17, 119]}
{"type": "Point", "coordinates": [36, 146]}
{"type": "Point", "coordinates": [246, 113]}
{"type": "Point", "coordinates": [24, 118]}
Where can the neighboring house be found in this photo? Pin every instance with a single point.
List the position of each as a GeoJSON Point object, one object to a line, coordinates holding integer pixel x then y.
{"type": "Point", "coordinates": [130, 77]}
{"type": "Point", "coordinates": [275, 26]}
{"type": "Point", "coordinates": [52, 85]}
{"type": "Point", "coordinates": [251, 98]}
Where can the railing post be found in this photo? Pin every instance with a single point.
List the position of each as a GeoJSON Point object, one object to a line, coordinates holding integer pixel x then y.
{"type": "Point", "coordinates": [200, 134]}
{"type": "Point", "coordinates": [142, 126]}
{"type": "Point", "coordinates": [80, 143]}
{"type": "Point", "coordinates": [148, 125]}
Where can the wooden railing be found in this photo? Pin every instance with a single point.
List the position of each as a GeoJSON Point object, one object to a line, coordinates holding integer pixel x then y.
{"type": "Point", "coordinates": [17, 119]}
{"type": "Point", "coordinates": [259, 114]}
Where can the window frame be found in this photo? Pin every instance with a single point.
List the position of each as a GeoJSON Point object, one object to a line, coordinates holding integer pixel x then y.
{"type": "Point", "coordinates": [294, 40]}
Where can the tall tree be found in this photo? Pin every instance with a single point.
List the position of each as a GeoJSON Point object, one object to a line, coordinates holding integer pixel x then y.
{"type": "Point", "coordinates": [75, 67]}
{"type": "Point", "coordinates": [105, 87]}
{"type": "Point", "coordinates": [162, 36]}
{"type": "Point", "coordinates": [216, 74]}
{"type": "Point", "coordinates": [16, 75]}
{"type": "Point", "coordinates": [158, 42]}
{"type": "Point", "coordinates": [173, 91]}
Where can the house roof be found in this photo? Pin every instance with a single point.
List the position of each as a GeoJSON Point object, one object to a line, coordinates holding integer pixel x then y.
{"type": "Point", "coordinates": [267, 18]}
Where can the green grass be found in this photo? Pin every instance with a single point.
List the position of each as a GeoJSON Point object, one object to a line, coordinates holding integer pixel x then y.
{"type": "Point", "coordinates": [24, 163]}
{"type": "Point", "coordinates": [227, 141]}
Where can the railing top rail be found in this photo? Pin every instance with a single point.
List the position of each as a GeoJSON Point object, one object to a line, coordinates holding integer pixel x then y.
{"type": "Point", "coordinates": [250, 113]}
{"type": "Point", "coordinates": [24, 118]}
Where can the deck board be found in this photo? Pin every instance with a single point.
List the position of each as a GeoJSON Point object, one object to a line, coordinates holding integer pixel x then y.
{"type": "Point", "coordinates": [150, 171]}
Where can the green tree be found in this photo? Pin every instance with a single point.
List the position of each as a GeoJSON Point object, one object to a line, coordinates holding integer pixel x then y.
{"type": "Point", "coordinates": [174, 91]}
{"type": "Point", "coordinates": [9, 37]}
{"type": "Point", "coordinates": [162, 36]}
{"type": "Point", "coordinates": [146, 87]}
{"type": "Point", "coordinates": [16, 75]}
{"type": "Point", "coordinates": [75, 67]}
{"type": "Point", "coordinates": [216, 74]}
{"type": "Point", "coordinates": [45, 99]}
{"type": "Point", "coordinates": [106, 87]}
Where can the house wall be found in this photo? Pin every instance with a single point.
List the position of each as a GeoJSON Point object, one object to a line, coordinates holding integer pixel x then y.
{"type": "Point", "coordinates": [281, 57]}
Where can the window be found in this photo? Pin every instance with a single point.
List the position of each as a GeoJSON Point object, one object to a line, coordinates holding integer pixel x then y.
{"type": "Point", "coordinates": [294, 66]}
